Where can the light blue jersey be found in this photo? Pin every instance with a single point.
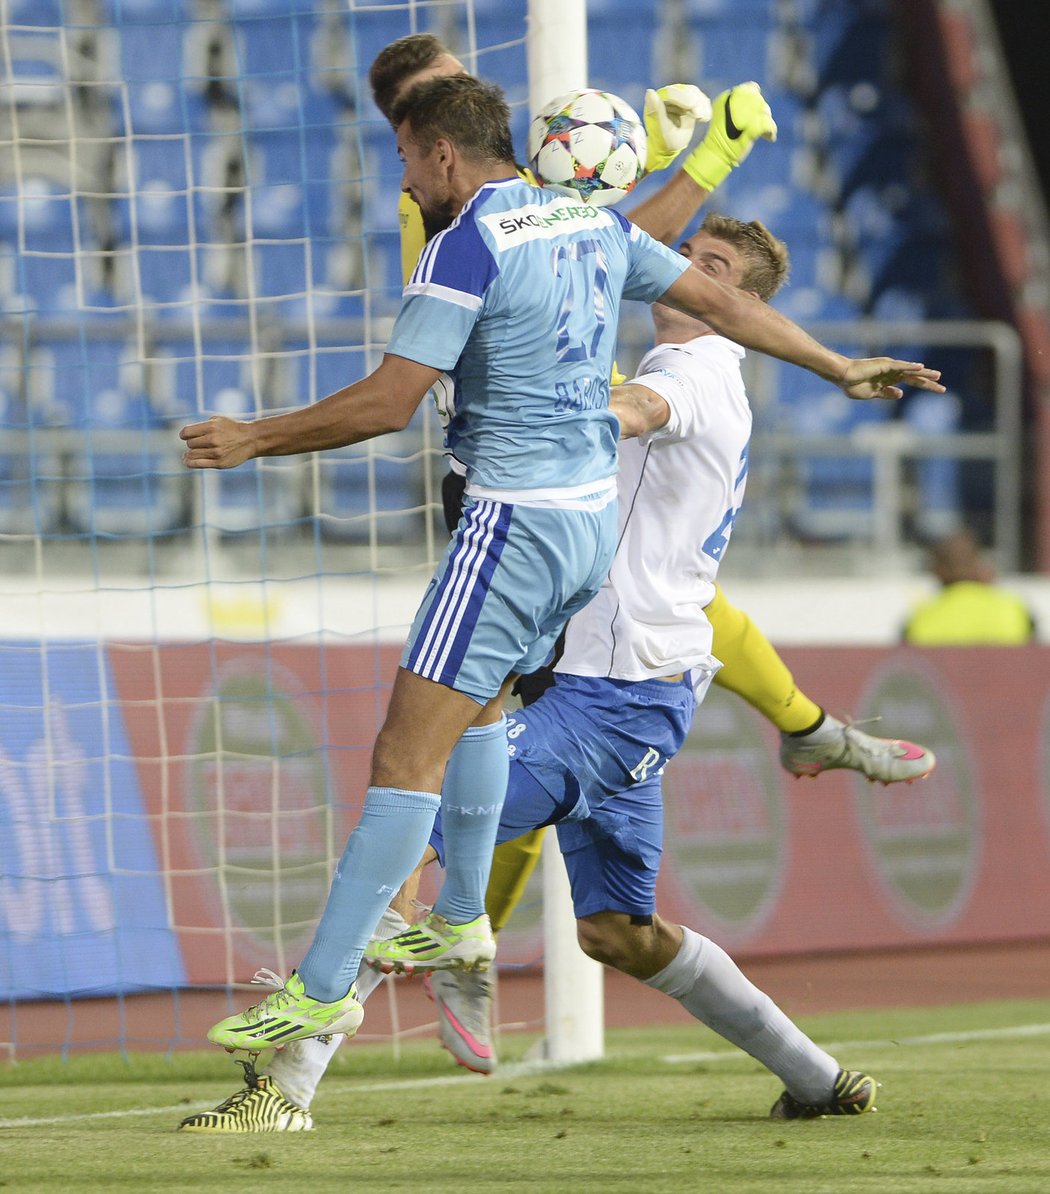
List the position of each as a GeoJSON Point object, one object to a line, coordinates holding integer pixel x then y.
{"type": "Point", "coordinates": [519, 301]}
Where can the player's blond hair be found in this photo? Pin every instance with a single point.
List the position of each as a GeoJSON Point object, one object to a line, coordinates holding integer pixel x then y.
{"type": "Point", "coordinates": [765, 257]}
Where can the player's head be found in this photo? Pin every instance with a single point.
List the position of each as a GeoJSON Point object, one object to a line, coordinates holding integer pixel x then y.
{"type": "Point", "coordinates": [755, 260]}
{"type": "Point", "coordinates": [958, 557]}
{"type": "Point", "coordinates": [453, 133]}
{"type": "Point", "coordinates": [407, 61]}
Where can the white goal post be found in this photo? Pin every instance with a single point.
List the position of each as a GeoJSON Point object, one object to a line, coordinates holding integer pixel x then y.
{"type": "Point", "coordinates": [573, 983]}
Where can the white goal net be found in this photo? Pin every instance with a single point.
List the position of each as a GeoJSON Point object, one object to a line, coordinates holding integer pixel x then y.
{"type": "Point", "coordinates": [198, 213]}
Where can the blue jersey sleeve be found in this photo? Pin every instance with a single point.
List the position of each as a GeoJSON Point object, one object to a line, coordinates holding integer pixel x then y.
{"type": "Point", "coordinates": [653, 267]}
{"type": "Point", "coordinates": [444, 297]}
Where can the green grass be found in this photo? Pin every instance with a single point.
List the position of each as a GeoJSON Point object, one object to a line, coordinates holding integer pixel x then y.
{"type": "Point", "coordinates": [961, 1113]}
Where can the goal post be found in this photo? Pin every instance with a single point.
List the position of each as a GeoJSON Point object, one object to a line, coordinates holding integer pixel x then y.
{"type": "Point", "coordinates": [573, 984]}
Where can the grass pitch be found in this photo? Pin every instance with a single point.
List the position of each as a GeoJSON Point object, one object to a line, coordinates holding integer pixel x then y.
{"type": "Point", "coordinates": [962, 1107]}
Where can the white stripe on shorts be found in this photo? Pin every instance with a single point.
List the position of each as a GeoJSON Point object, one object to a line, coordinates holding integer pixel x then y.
{"type": "Point", "coordinates": [462, 579]}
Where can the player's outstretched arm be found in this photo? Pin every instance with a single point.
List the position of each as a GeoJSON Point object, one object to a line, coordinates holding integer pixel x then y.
{"type": "Point", "coordinates": [382, 402]}
{"type": "Point", "coordinates": [754, 324]}
{"type": "Point", "coordinates": [739, 117]}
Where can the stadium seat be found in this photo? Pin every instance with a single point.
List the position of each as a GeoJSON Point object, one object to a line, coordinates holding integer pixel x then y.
{"type": "Point", "coordinates": [165, 279]}
{"type": "Point", "coordinates": [731, 49]}
{"type": "Point", "coordinates": [30, 473]}
{"type": "Point", "coordinates": [834, 496]}
{"type": "Point", "coordinates": [159, 162]}
{"type": "Point", "coordinates": [281, 268]}
{"type": "Point", "coordinates": [938, 498]}
{"type": "Point", "coordinates": [36, 13]}
{"type": "Point", "coordinates": [152, 50]}
{"type": "Point", "coordinates": [850, 41]}
{"type": "Point", "coordinates": [221, 378]}
{"type": "Point", "coordinates": [127, 482]}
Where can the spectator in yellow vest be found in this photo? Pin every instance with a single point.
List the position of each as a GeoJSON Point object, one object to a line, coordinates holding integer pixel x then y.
{"type": "Point", "coordinates": [970, 609]}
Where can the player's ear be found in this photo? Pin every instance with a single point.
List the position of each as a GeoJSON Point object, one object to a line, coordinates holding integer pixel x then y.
{"type": "Point", "coordinates": [445, 151]}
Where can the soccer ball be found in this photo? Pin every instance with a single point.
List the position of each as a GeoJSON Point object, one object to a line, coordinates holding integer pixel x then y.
{"type": "Point", "coordinates": [588, 144]}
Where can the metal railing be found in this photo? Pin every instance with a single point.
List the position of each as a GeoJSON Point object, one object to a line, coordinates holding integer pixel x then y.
{"type": "Point", "coordinates": [888, 450]}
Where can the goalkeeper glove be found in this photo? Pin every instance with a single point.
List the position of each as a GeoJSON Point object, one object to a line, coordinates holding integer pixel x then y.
{"type": "Point", "coordinates": [670, 117]}
{"type": "Point", "coordinates": [740, 116]}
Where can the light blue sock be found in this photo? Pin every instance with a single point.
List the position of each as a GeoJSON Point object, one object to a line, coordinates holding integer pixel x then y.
{"type": "Point", "coordinates": [380, 854]}
{"type": "Point", "coordinates": [471, 799]}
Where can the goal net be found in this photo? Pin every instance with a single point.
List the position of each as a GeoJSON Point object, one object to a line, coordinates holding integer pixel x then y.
{"type": "Point", "coordinates": [198, 214]}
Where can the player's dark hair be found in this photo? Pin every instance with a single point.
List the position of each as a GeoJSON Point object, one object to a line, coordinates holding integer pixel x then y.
{"type": "Point", "coordinates": [765, 257]}
{"type": "Point", "coordinates": [400, 60]}
{"type": "Point", "coordinates": [461, 109]}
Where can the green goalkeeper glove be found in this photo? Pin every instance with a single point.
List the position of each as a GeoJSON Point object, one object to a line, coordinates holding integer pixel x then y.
{"type": "Point", "coordinates": [740, 116]}
{"type": "Point", "coordinates": [670, 117]}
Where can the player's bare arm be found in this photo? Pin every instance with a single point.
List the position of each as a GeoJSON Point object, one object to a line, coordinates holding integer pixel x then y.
{"type": "Point", "coordinates": [748, 321]}
{"type": "Point", "coordinates": [382, 402]}
{"type": "Point", "coordinates": [639, 409]}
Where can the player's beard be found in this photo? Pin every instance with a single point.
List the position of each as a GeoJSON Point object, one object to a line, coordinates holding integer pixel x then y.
{"type": "Point", "coordinates": [436, 220]}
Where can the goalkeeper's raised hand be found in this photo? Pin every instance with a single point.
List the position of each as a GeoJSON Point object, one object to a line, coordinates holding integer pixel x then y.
{"type": "Point", "coordinates": [671, 114]}
{"type": "Point", "coordinates": [739, 118]}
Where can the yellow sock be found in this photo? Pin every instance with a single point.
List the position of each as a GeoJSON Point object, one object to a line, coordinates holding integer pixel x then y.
{"type": "Point", "coordinates": [753, 670]}
{"type": "Point", "coordinates": [512, 864]}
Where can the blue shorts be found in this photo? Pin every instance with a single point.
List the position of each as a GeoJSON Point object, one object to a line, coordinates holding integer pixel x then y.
{"type": "Point", "coordinates": [588, 756]}
{"type": "Point", "coordinates": [509, 581]}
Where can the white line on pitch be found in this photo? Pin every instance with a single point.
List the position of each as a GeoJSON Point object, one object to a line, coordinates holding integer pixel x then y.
{"type": "Point", "coordinates": [932, 1038]}
{"type": "Point", "coordinates": [514, 1070]}
{"type": "Point", "coordinates": [524, 1069]}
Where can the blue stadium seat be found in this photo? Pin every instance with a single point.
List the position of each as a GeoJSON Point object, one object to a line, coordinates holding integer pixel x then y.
{"type": "Point", "coordinates": [219, 380]}
{"type": "Point", "coordinates": [731, 50]}
{"type": "Point", "coordinates": [282, 268]}
{"type": "Point", "coordinates": [363, 486]}
{"type": "Point", "coordinates": [45, 283]}
{"type": "Point", "coordinates": [274, 48]}
{"type": "Point", "coordinates": [131, 12]}
{"type": "Point", "coordinates": [161, 160]}
{"type": "Point", "coordinates": [163, 106]}
{"type": "Point", "coordinates": [129, 486]}
{"type": "Point", "coordinates": [155, 215]}
{"type": "Point", "coordinates": [152, 50]}
{"type": "Point", "coordinates": [34, 13]}
{"type": "Point", "coordinates": [275, 212]}
{"type": "Point", "coordinates": [37, 215]}
{"type": "Point", "coordinates": [835, 498]}
{"type": "Point", "coordinates": [381, 482]}
{"type": "Point", "coordinates": [938, 479]}
{"type": "Point", "coordinates": [850, 42]}
{"type": "Point", "coordinates": [165, 279]}
{"type": "Point", "coordinates": [30, 481]}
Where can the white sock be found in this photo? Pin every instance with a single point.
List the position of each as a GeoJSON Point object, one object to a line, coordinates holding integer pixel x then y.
{"type": "Point", "coordinates": [829, 730]}
{"type": "Point", "coordinates": [711, 987]}
{"type": "Point", "coordinates": [300, 1065]}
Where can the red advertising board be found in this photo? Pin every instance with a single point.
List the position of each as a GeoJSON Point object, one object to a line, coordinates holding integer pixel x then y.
{"type": "Point", "coordinates": [253, 761]}
{"type": "Point", "coordinates": [768, 864]}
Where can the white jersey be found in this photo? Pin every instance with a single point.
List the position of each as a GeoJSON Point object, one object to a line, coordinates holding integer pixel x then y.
{"type": "Point", "coordinates": [680, 489]}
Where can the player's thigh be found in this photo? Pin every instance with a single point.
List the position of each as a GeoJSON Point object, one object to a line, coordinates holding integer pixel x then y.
{"type": "Point", "coordinates": [613, 856]}
{"type": "Point", "coordinates": [424, 722]}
